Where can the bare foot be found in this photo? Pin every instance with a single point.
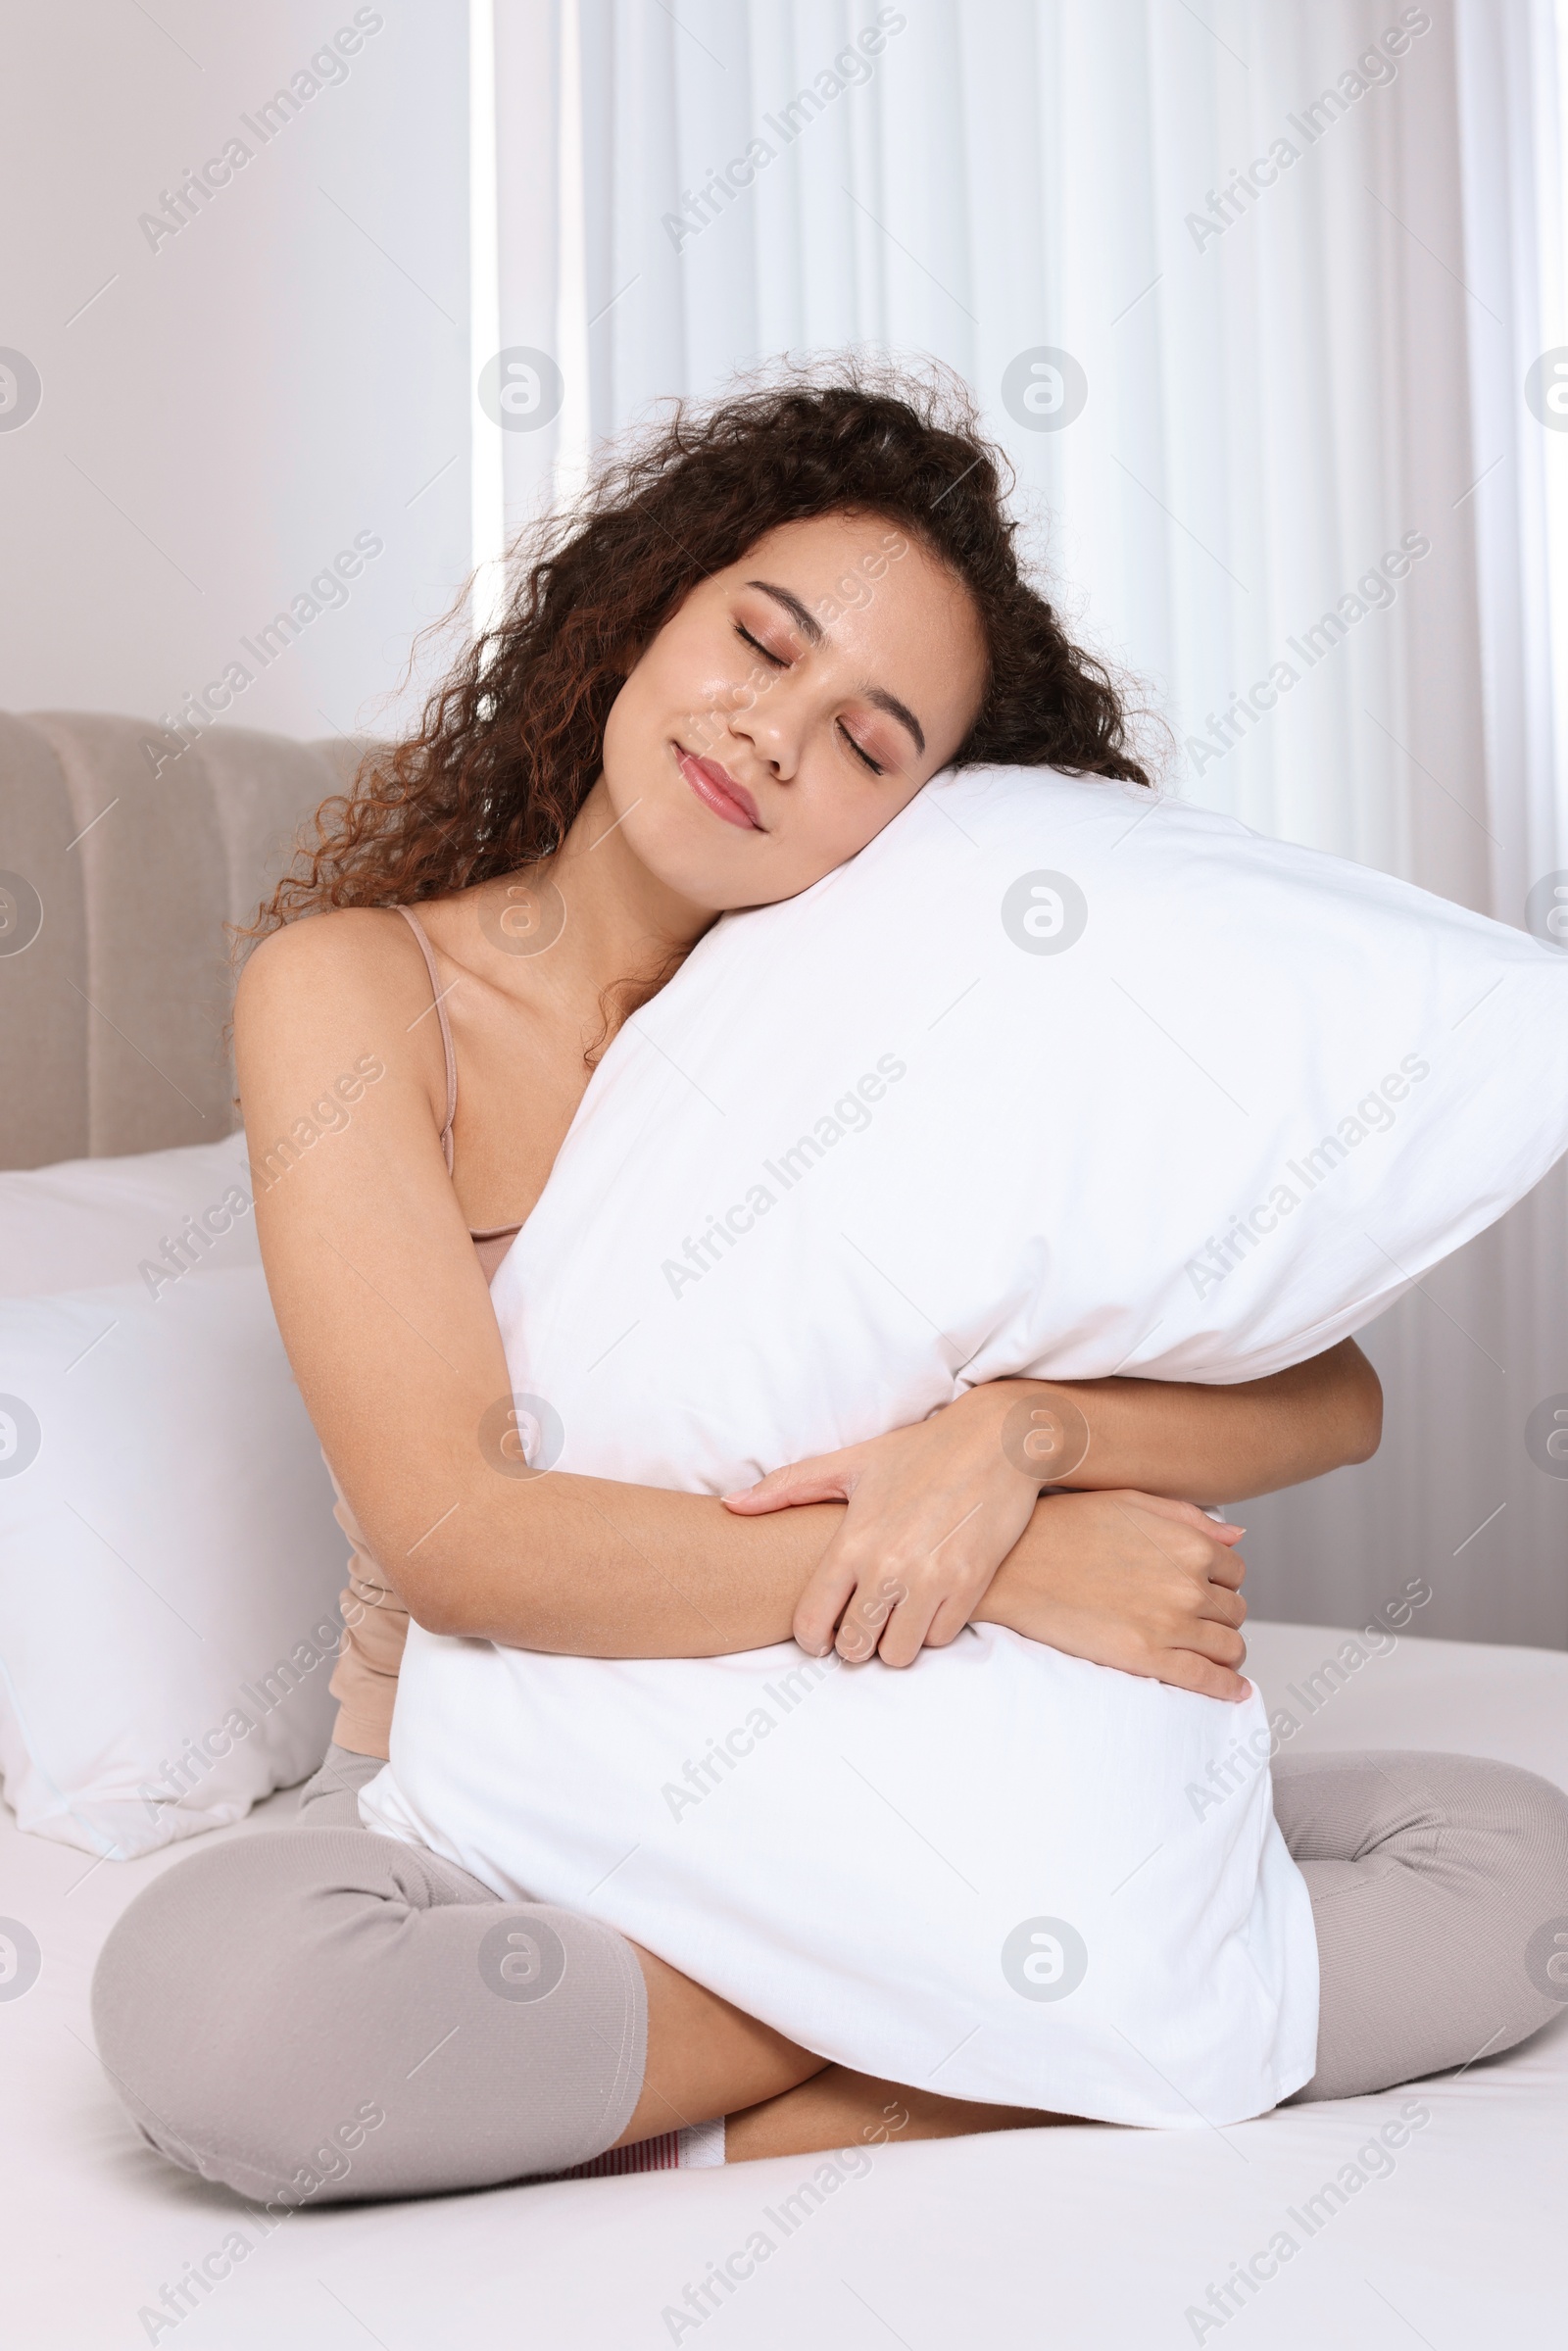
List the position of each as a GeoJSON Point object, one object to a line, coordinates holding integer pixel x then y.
{"type": "Point", "coordinates": [840, 2109]}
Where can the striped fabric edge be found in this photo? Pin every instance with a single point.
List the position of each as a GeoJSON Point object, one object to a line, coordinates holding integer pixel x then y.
{"type": "Point", "coordinates": [660, 2154]}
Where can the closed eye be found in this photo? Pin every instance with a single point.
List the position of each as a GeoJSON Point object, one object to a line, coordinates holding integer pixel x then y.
{"type": "Point", "coordinates": [747, 638]}
{"type": "Point", "coordinates": [777, 661]}
{"type": "Point", "coordinates": [864, 756]}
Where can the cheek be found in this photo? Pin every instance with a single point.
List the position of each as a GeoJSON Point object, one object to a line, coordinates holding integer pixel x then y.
{"type": "Point", "coordinates": [678, 688]}
{"type": "Point", "coordinates": [831, 825]}
{"type": "Point", "coordinates": [628, 735]}
{"type": "Point", "coordinates": [614, 747]}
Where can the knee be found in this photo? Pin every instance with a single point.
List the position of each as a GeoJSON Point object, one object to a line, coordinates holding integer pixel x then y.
{"type": "Point", "coordinates": [1494, 1837]}
{"type": "Point", "coordinates": [1502, 1839]}
{"type": "Point", "coordinates": [1532, 1817]}
{"type": "Point", "coordinates": [1540, 1808]}
{"type": "Point", "coordinates": [1518, 1818]}
{"type": "Point", "coordinates": [141, 2021]}
{"type": "Point", "coordinates": [211, 2036]}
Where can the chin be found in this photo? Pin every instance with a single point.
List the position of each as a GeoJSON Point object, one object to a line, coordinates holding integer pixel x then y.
{"type": "Point", "coordinates": [679, 853]}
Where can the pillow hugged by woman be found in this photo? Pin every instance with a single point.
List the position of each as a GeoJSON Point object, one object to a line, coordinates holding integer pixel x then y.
{"type": "Point", "coordinates": [764, 630]}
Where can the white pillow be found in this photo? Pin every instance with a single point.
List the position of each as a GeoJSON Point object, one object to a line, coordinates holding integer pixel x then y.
{"type": "Point", "coordinates": [150, 1218]}
{"type": "Point", "coordinates": [1050, 1078]}
{"type": "Point", "coordinates": [994, 1098]}
{"type": "Point", "coordinates": [168, 1560]}
{"type": "Point", "coordinates": [1001, 1874]}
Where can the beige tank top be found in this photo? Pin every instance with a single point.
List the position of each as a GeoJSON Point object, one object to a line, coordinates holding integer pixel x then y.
{"type": "Point", "coordinates": [376, 1623]}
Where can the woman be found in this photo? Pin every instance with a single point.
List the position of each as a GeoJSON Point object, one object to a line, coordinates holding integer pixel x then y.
{"type": "Point", "coordinates": [767, 630]}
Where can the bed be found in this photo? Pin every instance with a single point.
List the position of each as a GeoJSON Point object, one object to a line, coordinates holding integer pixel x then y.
{"type": "Point", "coordinates": [1079, 2235]}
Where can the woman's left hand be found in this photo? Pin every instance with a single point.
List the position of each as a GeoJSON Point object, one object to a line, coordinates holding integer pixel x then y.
{"type": "Point", "coordinates": [933, 1511]}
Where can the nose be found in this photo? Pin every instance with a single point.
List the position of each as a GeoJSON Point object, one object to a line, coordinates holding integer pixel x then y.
{"type": "Point", "coordinates": [767, 722]}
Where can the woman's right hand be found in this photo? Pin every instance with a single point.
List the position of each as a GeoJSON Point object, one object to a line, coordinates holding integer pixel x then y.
{"type": "Point", "coordinates": [1129, 1580]}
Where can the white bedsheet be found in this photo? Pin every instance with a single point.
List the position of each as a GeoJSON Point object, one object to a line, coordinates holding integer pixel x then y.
{"type": "Point", "coordinates": [1084, 2238]}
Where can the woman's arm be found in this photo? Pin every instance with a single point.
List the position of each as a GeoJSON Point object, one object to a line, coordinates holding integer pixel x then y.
{"type": "Point", "coordinates": [934, 1509]}
{"type": "Point", "coordinates": [391, 1336]}
{"type": "Point", "coordinates": [1215, 1445]}
{"type": "Point", "coordinates": [1194, 1442]}
{"type": "Point", "coordinates": [396, 1350]}
{"type": "Point", "coordinates": [393, 1341]}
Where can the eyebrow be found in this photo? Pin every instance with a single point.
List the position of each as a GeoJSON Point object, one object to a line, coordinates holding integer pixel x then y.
{"type": "Point", "coordinates": [812, 632]}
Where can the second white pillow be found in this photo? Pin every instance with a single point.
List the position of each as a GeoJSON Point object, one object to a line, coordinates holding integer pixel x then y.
{"type": "Point", "coordinates": [169, 1563]}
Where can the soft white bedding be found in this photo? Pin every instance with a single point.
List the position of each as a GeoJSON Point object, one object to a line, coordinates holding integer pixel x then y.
{"type": "Point", "coordinates": [1090, 2238]}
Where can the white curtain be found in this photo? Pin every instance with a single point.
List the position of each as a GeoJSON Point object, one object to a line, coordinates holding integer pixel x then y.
{"type": "Point", "coordinates": [1282, 271]}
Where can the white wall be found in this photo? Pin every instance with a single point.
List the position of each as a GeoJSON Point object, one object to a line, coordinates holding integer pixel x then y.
{"type": "Point", "coordinates": [243, 398]}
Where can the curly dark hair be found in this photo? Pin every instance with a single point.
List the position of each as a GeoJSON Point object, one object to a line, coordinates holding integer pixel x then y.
{"type": "Point", "coordinates": [510, 742]}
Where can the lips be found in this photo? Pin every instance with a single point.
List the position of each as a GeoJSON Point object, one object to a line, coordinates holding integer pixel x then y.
{"type": "Point", "coordinates": [717, 790]}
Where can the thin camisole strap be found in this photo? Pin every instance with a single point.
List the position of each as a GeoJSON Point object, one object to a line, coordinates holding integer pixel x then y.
{"type": "Point", "coordinates": [436, 990]}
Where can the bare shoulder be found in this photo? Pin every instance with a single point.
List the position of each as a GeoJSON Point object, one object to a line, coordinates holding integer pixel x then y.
{"type": "Point", "coordinates": [333, 989]}
{"type": "Point", "coordinates": [350, 948]}
{"type": "Point", "coordinates": [313, 975]}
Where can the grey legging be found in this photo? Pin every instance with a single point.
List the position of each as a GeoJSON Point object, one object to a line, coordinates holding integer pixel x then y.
{"type": "Point", "coordinates": [320, 2013]}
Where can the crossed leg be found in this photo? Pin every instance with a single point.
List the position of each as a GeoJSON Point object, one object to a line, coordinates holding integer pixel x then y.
{"type": "Point", "coordinates": [706, 2059]}
{"type": "Point", "coordinates": [322, 2013]}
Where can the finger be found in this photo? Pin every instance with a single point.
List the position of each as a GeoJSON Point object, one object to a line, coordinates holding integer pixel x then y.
{"type": "Point", "coordinates": [954, 1614]}
{"type": "Point", "coordinates": [1184, 1669]}
{"type": "Point", "coordinates": [1227, 1569]}
{"type": "Point", "coordinates": [821, 1605]}
{"type": "Point", "coordinates": [1169, 1528]}
{"type": "Point", "coordinates": [1221, 1644]}
{"type": "Point", "coordinates": [1222, 1607]}
{"type": "Point", "coordinates": [904, 1632]}
{"type": "Point", "coordinates": [1188, 1514]}
{"type": "Point", "coordinates": [864, 1619]}
{"type": "Point", "coordinates": [1164, 1505]}
{"type": "Point", "coordinates": [822, 1479]}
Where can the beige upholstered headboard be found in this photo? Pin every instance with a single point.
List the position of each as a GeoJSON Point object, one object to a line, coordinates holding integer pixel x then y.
{"type": "Point", "coordinates": [112, 1015]}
